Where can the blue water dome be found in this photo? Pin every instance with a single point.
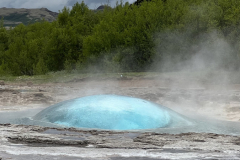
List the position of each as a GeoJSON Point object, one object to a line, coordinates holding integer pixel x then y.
{"type": "Point", "coordinates": [110, 112]}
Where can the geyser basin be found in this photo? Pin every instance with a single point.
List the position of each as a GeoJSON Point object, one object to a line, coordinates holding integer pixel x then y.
{"type": "Point", "coordinates": [110, 112]}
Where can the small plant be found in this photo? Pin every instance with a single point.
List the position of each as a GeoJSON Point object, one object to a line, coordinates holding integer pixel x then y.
{"type": "Point", "coordinates": [40, 68]}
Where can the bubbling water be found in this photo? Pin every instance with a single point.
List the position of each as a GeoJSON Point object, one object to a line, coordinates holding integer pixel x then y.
{"type": "Point", "coordinates": [110, 112]}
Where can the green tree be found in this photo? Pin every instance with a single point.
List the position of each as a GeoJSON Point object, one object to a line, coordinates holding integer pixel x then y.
{"type": "Point", "coordinates": [40, 67]}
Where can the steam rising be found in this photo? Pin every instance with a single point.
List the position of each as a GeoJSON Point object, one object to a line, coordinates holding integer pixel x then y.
{"type": "Point", "coordinates": [208, 52]}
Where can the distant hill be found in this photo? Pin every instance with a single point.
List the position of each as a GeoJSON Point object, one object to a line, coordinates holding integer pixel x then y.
{"type": "Point", "coordinates": [13, 16]}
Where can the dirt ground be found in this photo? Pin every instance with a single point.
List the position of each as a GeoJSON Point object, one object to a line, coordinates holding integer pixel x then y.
{"type": "Point", "coordinates": [190, 98]}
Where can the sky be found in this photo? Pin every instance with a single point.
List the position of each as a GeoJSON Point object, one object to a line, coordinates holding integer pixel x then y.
{"type": "Point", "coordinates": [55, 5]}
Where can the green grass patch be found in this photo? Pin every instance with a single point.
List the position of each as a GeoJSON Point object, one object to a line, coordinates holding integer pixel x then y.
{"type": "Point", "coordinates": [16, 17]}
{"type": "Point", "coordinates": [220, 77]}
{"type": "Point", "coordinates": [64, 77]}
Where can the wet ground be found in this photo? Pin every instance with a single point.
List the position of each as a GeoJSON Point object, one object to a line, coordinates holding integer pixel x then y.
{"type": "Point", "coordinates": [195, 99]}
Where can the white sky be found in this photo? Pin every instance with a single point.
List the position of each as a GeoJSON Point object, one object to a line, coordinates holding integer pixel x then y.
{"type": "Point", "coordinates": [54, 5]}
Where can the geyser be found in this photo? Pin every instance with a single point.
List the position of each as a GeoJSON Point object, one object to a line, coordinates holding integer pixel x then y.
{"type": "Point", "coordinates": [110, 112]}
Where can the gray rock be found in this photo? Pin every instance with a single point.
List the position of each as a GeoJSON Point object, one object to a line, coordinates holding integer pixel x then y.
{"type": "Point", "coordinates": [29, 84]}
{"type": "Point", "coordinates": [2, 83]}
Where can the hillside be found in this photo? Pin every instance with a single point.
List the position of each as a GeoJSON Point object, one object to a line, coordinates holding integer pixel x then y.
{"type": "Point", "coordinates": [13, 16]}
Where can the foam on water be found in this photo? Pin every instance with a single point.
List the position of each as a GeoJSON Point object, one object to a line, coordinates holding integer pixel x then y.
{"type": "Point", "coordinates": [110, 112]}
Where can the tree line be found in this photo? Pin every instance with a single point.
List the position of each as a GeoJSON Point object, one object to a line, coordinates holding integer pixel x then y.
{"type": "Point", "coordinates": [125, 38]}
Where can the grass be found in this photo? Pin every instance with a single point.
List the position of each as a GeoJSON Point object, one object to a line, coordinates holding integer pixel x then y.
{"type": "Point", "coordinates": [63, 77]}
{"type": "Point", "coordinates": [15, 18]}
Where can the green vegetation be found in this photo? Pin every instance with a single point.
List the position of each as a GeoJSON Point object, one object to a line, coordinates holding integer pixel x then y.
{"type": "Point", "coordinates": [126, 38]}
{"type": "Point", "coordinates": [16, 17]}
{"type": "Point", "coordinates": [65, 77]}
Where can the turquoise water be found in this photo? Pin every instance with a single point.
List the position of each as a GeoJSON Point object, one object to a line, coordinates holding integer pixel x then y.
{"type": "Point", "coordinates": [110, 112]}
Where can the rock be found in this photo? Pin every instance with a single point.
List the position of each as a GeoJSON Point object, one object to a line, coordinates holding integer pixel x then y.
{"type": "Point", "coordinates": [29, 84]}
{"type": "Point", "coordinates": [38, 95]}
{"type": "Point", "coordinates": [2, 83]}
{"type": "Point", "coordinates": [138, 2]}
{"type": "Point", "coordinates": [102, 7]}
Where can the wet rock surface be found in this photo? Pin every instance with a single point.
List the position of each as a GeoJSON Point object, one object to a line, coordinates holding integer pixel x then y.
{"type": "Point", "coordinates": [28, 142]}
{"type": "Point", "coordinates": [26, 139]}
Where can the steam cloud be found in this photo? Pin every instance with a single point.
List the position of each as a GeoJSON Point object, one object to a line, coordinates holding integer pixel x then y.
{"type": "Point", "coordinates": [209, 52]}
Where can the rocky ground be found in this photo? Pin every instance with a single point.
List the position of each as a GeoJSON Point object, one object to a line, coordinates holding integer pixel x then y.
{"type": "Point", "coordinates": [190, 98]}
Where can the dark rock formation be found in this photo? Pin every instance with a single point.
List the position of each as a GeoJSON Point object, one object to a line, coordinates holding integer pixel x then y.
{"type": "Point", "coordinates": [138, 2]}
{"type": "Point", "coordinates": [54, 14]}
{"type": "Point", "coordinates": [101, 7]}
